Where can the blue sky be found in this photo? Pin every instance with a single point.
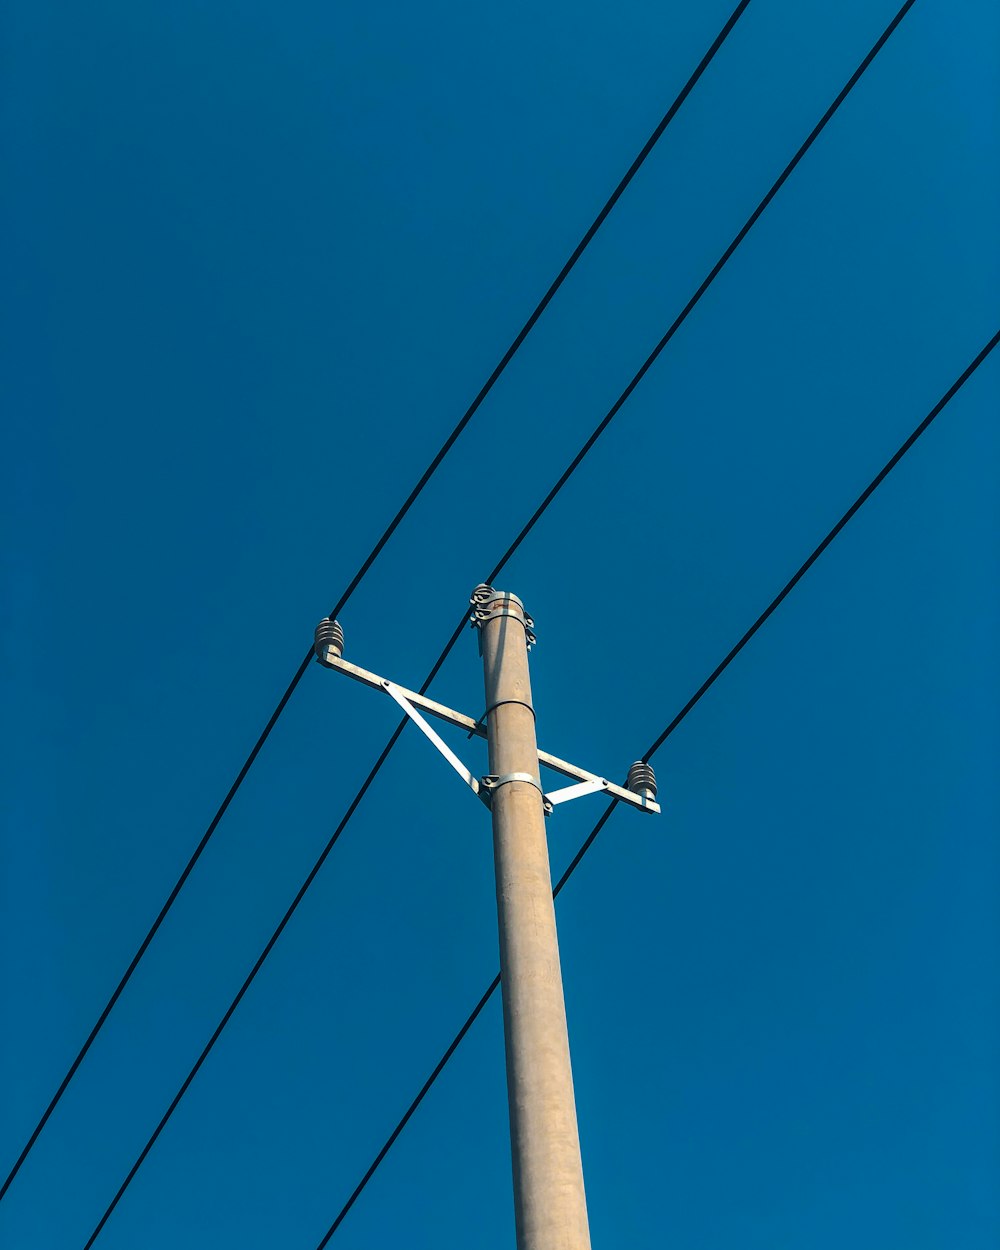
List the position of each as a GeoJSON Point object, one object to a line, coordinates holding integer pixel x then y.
{"type": "Point", "coordinates": [259, 260]}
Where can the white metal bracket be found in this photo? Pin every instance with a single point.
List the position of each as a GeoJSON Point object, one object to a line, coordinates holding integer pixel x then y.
{"type": "Point", "coordinates": [411, 700]}
{"type": "Point", "coordinates": [581, 788]}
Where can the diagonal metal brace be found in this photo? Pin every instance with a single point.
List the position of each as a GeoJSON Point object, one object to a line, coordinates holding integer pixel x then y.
{"type": "Point", "coordinates": [471, 781]}
{"type": "Point", "coordinates": [565, 793]}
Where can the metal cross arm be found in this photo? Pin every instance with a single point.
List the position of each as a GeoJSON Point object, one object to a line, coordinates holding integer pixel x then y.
{"type": "Point", "coordinates": [642, 797]}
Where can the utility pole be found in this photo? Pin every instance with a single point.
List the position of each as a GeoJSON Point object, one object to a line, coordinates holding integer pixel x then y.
{"type": "Point", "coordinates": [550, 1205]}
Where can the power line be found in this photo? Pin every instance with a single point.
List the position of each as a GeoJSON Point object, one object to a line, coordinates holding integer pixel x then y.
{"type": "Point", "coordinates": [804, 568]}
{"type": "Point", "coordinates": [355, 581]}
{"type": "Point", "coordinates": [525, 531]}
{"type": "Point", "coordinates": [654, 747]}
{"type": "Point", "coordinates": [243, 988]}
{"type": "Point", "coordinates": [714, 272]}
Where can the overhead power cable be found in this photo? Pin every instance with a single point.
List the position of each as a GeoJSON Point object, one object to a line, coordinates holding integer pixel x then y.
{"type": "Point", "coordinates": [373, 555]}
{"type": "Point", "coordinates": [490, 577]}
{"type": "Point", "coordinates": [654, 747]}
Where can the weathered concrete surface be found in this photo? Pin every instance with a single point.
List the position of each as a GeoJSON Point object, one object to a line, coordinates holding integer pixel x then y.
{"type": "Point", "coordinates": [550, 1204]}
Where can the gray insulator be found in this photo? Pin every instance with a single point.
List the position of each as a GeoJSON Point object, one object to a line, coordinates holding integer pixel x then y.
{"type": "Point", "coordinates": [329, 637]}
{"type": "Point", "coordinates": [641, 779]}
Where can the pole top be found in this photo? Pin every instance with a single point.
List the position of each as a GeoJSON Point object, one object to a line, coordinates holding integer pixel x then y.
{"type": "Point", "coordinates": [487, 603]}
{"type": "Point", "coordinates": [485, 593]}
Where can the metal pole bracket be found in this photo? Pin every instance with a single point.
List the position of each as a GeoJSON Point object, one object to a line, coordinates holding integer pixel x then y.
{"type": "Point", "coordinates": [492, 783]}
{"type": "Point", "coordinates": [411, 700]}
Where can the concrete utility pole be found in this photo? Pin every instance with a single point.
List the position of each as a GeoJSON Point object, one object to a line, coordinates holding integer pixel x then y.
{"type": "Point", "coordinates": [550, 1205]}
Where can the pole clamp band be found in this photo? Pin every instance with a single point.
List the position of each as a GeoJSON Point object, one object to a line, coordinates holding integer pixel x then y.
{"type": "Point", "coordinates": [493, 783]}
{"type": "Point", "coordinates": [504, 702]}
{"type": "Point", "coordinates": [499, 703]}
{"type": "Point", "coordinates": [479, 618]}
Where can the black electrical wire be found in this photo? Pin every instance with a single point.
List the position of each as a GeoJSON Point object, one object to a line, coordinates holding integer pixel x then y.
{"type": "Point", "coordinates": [804, 568]}
{"type": "Point", "coordinates": [370, 560]}
{"type": "Point", "coordinates": [744, 230]}
{"type": "Point", "coordinates": [525, 531]}
{"type": "Point", "coordinates": [654, 747]}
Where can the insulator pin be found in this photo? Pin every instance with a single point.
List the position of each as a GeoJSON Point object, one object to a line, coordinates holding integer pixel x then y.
{"type": "Point", "coordinates": [329, 641]}
{"type": "Point", "coordinates": [641, 780]}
